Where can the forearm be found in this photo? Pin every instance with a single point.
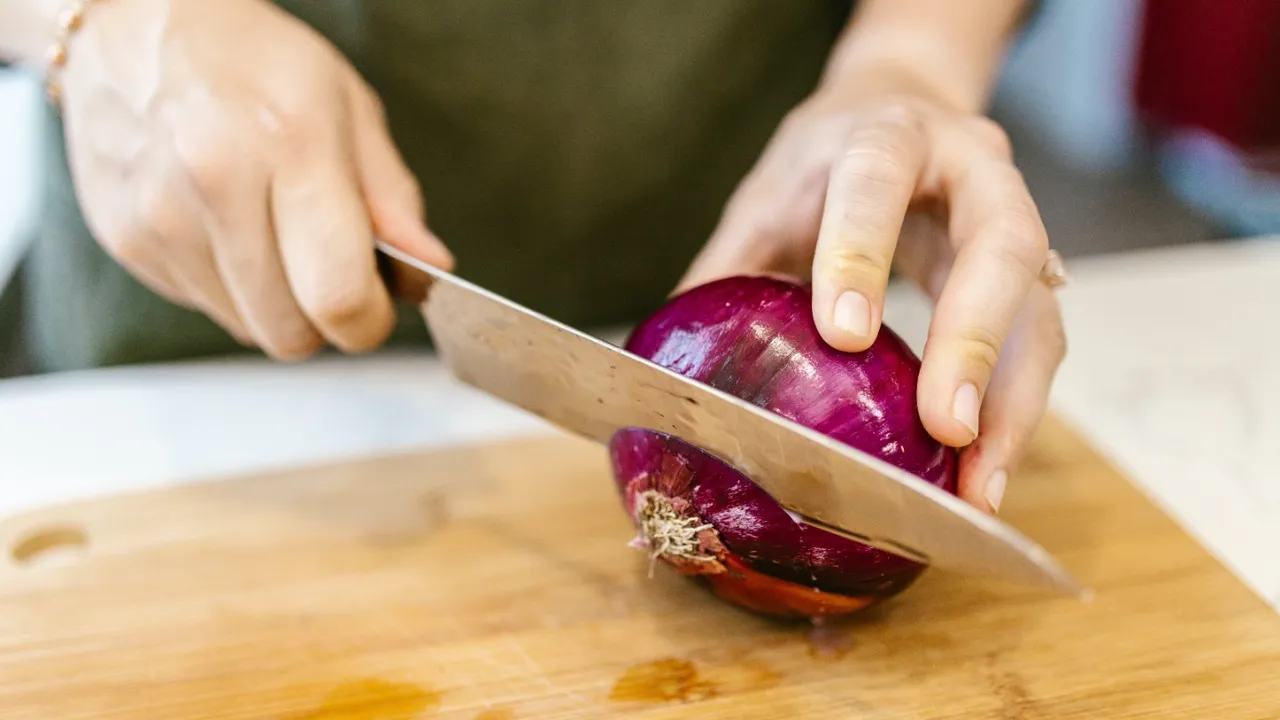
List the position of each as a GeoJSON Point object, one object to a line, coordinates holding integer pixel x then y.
{"type": "Point", "coordinates": [955, 48]}
{"type": "Point", "coordinates": [26, 29]}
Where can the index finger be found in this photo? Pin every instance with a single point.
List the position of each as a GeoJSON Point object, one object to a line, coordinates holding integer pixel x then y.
{"type": "Point", "coordinates": [871, 187]}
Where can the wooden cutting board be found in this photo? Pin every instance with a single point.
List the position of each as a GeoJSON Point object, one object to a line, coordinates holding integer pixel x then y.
{"type": "Point", "coordinates": [495, 582]}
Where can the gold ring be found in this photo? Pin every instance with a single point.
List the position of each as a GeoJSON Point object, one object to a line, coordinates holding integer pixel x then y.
{"type": "Point", "coordinates": [1054, 271]}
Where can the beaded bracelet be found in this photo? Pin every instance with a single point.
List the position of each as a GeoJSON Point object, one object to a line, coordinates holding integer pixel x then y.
{"type": "Point", "coordinates": [69, 21]}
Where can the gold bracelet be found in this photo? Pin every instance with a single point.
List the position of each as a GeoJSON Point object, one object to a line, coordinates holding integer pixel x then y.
{"type": "Point", "coordinates": [69, 21]}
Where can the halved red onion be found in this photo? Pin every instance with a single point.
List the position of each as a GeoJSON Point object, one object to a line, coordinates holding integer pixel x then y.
{"type": "Point", "coordinates": [755, 338]}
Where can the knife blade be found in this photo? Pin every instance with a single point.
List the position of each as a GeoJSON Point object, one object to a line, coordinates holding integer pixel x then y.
{"type": "Point", "coordinates": [591, 388]}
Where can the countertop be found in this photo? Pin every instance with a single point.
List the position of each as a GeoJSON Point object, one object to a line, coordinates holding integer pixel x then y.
{"type": "Point", "coordinates": [1167, 374]}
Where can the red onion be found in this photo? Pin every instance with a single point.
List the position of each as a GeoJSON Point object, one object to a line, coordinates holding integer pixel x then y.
{"type": "Point", "coordinates": [755, 338]}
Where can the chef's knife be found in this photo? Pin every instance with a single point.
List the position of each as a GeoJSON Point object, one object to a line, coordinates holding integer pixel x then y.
{"type": "Point", "coordinates": [592, 388]}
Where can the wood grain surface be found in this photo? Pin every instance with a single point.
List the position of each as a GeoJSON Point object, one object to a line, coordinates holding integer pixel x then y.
{"type": "Point", "coordinates": [495, 583]}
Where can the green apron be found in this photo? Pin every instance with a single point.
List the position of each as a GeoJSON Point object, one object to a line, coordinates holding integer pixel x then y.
{"type": "Point", "coordinates": [574, 155]}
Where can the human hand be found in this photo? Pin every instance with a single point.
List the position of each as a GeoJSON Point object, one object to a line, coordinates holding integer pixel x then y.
{"type": "Point", "coordinates": [858, 181]}
{"type": "Point", "coordinates": [235, 163]}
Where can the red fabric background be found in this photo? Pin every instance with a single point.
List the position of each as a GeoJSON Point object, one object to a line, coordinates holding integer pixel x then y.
{"type": "Point", "coordinates": [1212, 65]}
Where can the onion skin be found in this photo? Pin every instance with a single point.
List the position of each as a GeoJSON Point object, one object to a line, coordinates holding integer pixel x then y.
{"type": "Point", "coordinates": [755, 338]}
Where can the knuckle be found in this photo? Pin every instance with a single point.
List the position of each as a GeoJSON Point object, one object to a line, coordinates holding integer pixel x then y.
{"type": "Point", "coordinates": [297, 342]}
{"type": "Point", "coordinates": [855, 265]}
{"type": "Point", "coordinates": [990, 135]}
{"type": "Point", "coordinates": [873, 164]}
{"type": "Point", "coordinates": [343, 303]}
{"type": "Point", "coordinates": [369, 338]}
{"type": "Point", "coordinates": [129, 248]}
{"type": "Point", "coordinates": [160, 213]}
{"type": "Point", "coordinates": [881, 153]}
{"type": "Point", "coordinates": [211, 181]}
{"type": "Point", "coordinates": [980, 348]}
{"type": "Point", "coordinates": [204, 155]}
{"type": "Point", "coordinates": [291, 121]}
{"type": "Point", "coordinates": [1019, 238]}
{"type": "Point", "coordinates": [1008, 444]}
{"type": "Point", "coordinates": [1007, 178]}
{"type": "Point", "coordinates": [899, 113]}
{"type": "Point", "coordinates": [1011, 261]}
{"type": "Point", "coordinates": [290, 130]}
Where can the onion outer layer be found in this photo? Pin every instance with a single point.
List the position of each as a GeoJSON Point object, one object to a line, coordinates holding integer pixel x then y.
{"type": "Point", "coordinates": [754, 338]}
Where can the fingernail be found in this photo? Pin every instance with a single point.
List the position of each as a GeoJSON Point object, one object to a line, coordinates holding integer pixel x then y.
{"type": "Point", "coordinates": [965, 407]}
{"type": "Point", "coordinates": [852, 313]}
{"type": "Point", "coordinates": [994, 491]}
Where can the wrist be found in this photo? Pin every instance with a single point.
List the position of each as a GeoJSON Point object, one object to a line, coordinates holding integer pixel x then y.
{"type": "Point", "coordinates": [917, 64]}
{"type": "Point", "coordinates": [897, 76]}
{"type": "Point", "coordinates": [948, 51]}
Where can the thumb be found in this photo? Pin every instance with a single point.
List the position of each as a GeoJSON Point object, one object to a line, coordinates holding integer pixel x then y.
{"type": "Point", "coordinates": [391, 192]}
